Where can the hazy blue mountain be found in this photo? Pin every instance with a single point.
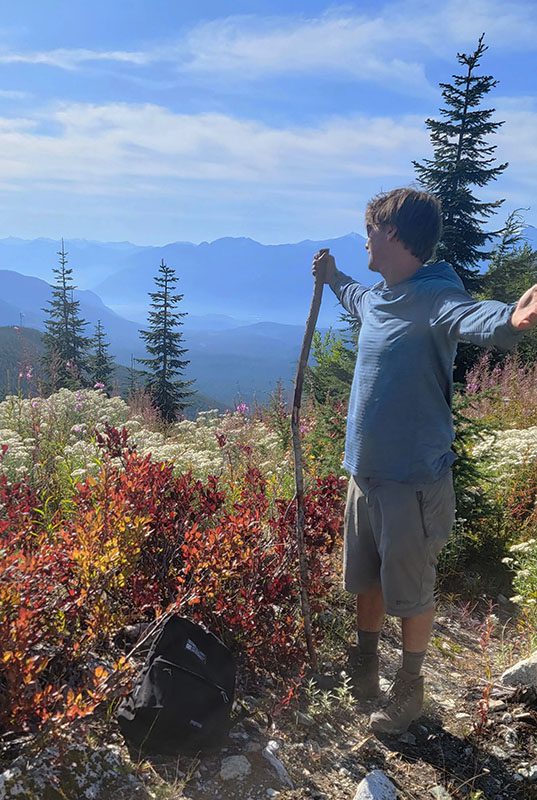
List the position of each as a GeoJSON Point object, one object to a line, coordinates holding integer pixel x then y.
{"type": "Point", "coordinates": [29, 296]}
{"type": "Point", "coordinates": [231, 288]}
{"type": "Point", "coordinates": [229, 361]}
{"type": "Point", "coordinates": [91, 261]}
{"type": "Point", "coordinates": [228, 277]}
{"type": "Point", "coordinates": [239, 277]}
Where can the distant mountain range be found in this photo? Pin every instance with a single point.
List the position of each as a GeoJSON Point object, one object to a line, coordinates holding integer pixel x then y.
{"type": "Point", "coordinates": [235, 277]}
{"type": "Point", "coordinates": [230, 361]}
{"type": "Point", "coordinates": [246, 302]}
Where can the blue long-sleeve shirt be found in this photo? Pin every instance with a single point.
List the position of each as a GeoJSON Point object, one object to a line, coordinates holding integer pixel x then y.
{"type": "Point", "coordinates": [399, 424]}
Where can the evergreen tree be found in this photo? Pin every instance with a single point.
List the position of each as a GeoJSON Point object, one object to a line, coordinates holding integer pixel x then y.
{"type": "Point", "coordinates": [462, 160]}
{"type": "Point", "coordinates": [512, 235]}
{"type": "Point", "coordinates": [101, 365]}
{"type": "Point", "coordinates": [512, 271]}
{"type": "Point", "coordinates": [163, 342]}
{"type": "Point", "coordinates": [330, 377]}
{"type": "Point", "coordinates": [133, 376]}
{"type": "Point", "coordinates": [65, 360]}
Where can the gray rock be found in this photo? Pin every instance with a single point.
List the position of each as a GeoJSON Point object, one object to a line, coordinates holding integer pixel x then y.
{"type": "Point", "coordinates": [439, 793]}
{"type": "Point", "coordinates": [524, 672]}
{"type": "Point", "coordinates": [269, 753]}
{"type": "Point", "coordinates": [498, 753]}
{"type": "Point", "coordinates": [238, 736]}
{"type": "Point", "coordinates": [235, 768]}
{"type": "Point", "coordinates": [376, 786]}
{"type": "Point", "coordinates": [510, 737]}
{"type": "Point", "coordinates": [314, 748]}
{"type": "Point", "coordinates": [305, 720]}
{"type": "Point", "coordinates": [529, 772]}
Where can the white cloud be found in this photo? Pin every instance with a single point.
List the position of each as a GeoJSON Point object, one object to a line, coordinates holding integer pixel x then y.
{"type": "Point", "coordinates": [388, 46]}
{"type": "Point", "coordinates": [13, 94]}
{"type": "Point", "coordinates": [71, 59]}
{"type": "Point", "coordinates": [252, 48]}
{"type": "Point", "coordinates": [121, 148]}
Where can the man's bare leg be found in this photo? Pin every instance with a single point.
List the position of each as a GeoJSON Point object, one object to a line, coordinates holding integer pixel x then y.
{"type": "Point", "coordinates": [370, 610]}
{"type": "Point", "coordinates": [416, 634]}
{"type": "Point", "coordinates": [417, 631]}
{"type": "Point", "coordinates": [363, 656]}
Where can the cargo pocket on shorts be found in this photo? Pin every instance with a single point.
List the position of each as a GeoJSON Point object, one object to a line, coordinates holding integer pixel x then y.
{"type": "Point", "coordinates": [436, 504]}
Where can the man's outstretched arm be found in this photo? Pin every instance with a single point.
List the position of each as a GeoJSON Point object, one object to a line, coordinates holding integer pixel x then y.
{"type": "Point", "coordinates": [488, 322]}
{"type": "Point", "coordinates": [348, 291]}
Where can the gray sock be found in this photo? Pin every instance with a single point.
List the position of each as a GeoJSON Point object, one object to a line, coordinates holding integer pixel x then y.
{"type": "Point", "coordinates": [413, 662]}
{"type": "Point", "coordinates": [368, 642]}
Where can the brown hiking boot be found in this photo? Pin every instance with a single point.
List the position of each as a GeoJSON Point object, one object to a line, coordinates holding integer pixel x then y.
{"type": "Point", "coordinates": [364, 673]}
{"type": "Point", "coordinates": [405, 702]}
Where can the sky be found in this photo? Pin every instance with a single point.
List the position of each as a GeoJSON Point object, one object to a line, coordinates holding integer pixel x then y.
{"type": "Point", "coordinates": [178, 120]}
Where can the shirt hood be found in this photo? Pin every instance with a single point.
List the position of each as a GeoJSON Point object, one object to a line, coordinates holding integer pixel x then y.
{"type": "Point", "coordinates": [440, 272]}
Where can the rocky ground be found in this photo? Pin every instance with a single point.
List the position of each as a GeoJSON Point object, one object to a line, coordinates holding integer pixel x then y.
{"type": "Point", "coordinates": [477, 738]}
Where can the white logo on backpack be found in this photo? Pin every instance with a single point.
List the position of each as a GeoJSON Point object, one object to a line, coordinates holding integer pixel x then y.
{"type": "Point", "coordinates": [193, 648]}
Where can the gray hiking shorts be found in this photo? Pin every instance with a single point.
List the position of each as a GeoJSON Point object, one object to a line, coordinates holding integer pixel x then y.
{"type": "Point", "coordinates": [393, 535]}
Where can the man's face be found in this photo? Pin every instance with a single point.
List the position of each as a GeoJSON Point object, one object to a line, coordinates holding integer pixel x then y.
{"type": "Point", "coordinates": [378, 245]}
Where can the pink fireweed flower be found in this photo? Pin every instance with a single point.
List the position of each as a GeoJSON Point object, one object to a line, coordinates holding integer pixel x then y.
{"type": "Point", "coordinates": [242, 408]}
{"type": "Point", "coordinates": [80, 401]}
{"type": "Point", "coordinates": [98, 385]}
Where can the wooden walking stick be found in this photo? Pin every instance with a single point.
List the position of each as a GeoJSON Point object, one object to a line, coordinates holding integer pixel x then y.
{"type": "Point", "coordinates": [299, 475]}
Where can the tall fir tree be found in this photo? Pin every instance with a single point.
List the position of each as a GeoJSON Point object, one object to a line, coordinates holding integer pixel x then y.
{"type": "Point", "coordinates": [169, 392]}
{"type": "Point", "coordinates": [133, 376]}
{"type": "Point", "coordinates": [101, 363]}
{"type": "Point", "coordinates": [511, 272]}
{"type": "Point", "coordinates": [65, 360]}
{"type": "Point", "coordinates": [463, 159]}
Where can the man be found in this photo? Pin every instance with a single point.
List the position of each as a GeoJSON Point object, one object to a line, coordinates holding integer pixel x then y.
{"type": "Point", "coordinates": [401, 503]}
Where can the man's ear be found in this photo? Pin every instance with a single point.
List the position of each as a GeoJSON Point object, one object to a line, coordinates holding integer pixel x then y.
{"type": "Point", "coordinates": [391, 232]}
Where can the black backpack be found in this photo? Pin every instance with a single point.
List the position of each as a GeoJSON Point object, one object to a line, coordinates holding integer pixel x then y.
{"type": "Point", "coordinates": [183, 696]}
